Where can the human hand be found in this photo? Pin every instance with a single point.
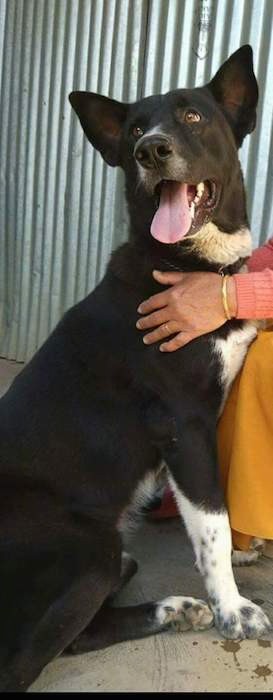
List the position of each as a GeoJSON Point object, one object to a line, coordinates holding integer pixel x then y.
{"type": "Point", "coordinates": [192, 306]}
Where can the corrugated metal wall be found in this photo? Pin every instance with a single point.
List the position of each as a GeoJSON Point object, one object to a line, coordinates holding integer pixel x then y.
{"type": "Point", "coordinates": [61, 209]}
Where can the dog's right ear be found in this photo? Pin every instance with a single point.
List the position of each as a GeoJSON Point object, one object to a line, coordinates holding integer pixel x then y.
{"type": "Point", "coordinates": [235, 87]}
{"type": "Point", "coordinates": [102, 120]}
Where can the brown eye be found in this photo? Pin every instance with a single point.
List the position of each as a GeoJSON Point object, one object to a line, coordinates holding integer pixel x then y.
{"type": "Point", "coordinates": [192, 117]}
{"type": "Point", "coordinates": [137, 132]}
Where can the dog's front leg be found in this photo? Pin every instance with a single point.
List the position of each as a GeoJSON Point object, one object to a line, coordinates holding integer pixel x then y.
{"type": "Point", "coordinates": [192, 462]}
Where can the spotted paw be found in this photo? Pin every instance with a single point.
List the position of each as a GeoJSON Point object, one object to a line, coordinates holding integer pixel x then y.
{"type": "Point", "coordinates": [251, 556]}
{"type": "Point", "coordinates": [184, 613]}
{"type": "Point", "coordinates": [239, 558]}
{"type": "Point", "coordinates": [244, 621]}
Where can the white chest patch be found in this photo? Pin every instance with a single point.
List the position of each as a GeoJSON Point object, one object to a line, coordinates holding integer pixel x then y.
{"type": "Point", "coordinates": [220, 247]}
{"type": "Point", "coordinates": [232, 351]}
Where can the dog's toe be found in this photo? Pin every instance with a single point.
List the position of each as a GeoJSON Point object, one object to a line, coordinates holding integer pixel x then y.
{"type": "Point", "coordinates": [184, 613]}
{"type": "Point", "coordinates": [200, 615]}
{"type": "Point", "coordinates": [239, 558]}
{"type": "Point", "coordinates": [245, 621]}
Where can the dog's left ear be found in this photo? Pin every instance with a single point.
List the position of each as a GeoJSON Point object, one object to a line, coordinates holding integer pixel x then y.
{"type": "Point", "coordinates": [102, 120]}
{"type": "Point", "coordinates": [235, 87]}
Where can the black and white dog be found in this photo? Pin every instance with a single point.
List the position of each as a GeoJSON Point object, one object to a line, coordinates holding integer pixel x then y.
{"type": "Point", "coordinates": [85, 427]}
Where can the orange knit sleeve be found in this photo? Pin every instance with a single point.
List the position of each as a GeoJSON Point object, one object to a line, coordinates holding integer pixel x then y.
{"type": "Point", "coordinates": [254, 293]}
{"type": "Point", "coordinates": [261, 258]}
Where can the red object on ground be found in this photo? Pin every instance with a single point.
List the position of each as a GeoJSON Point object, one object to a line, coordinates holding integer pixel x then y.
{"type": "Point", "coordinates": [167, 508]}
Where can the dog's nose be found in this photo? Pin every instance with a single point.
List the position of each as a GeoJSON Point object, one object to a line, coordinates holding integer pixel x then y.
{"type": "Point", "coordinates": [152, 150]}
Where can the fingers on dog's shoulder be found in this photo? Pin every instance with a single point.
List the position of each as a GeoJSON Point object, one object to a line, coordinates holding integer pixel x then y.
{"type": "Point", "coordinates": [177, 342]}
{"type": "Point", "coordinates": [168, 277]}
{"type": "Point", "coordinates": [157, 301]}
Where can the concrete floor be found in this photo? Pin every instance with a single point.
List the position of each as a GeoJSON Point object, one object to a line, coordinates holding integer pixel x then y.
{"type": "Point", "coordinates": [170, 662]}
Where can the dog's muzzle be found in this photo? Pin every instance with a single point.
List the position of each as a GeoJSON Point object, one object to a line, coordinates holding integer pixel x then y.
{"type": "Point", "coordinates": [152, 151]}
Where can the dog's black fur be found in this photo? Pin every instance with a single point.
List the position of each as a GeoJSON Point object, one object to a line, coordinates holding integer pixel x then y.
{"type": "Point", "coordinates": [95, 410]}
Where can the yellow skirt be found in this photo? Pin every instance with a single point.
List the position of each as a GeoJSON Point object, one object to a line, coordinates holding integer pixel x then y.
{"type": "Point", "coordinates": [245, 444]}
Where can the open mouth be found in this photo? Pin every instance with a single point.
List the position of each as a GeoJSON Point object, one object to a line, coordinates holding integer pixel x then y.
{"type": "Point", "coordinates": [182, 209]}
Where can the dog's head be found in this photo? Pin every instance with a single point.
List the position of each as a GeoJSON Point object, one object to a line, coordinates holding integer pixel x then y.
{"type": "Point", "coordinates": [179, 151]}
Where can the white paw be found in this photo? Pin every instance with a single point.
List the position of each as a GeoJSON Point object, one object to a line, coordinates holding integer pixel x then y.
{"type": "Point", "coordinates": [184, 613]}
{"type": "Point", "coordinates": [258, 544]}
{"type": "Point", "coordinates": [239, 558]}
{"type": "Point", "coordinates": [242, 620]}
{"type": "Point", "coordinates": [256, 549]}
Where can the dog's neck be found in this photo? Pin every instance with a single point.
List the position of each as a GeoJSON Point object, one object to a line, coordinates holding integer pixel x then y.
{"type": "Point", "coordinates": [209, 250]}
{"type": "Point", "coordinates": [221, 245]}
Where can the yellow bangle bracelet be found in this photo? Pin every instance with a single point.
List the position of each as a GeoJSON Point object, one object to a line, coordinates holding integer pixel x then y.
{"type": "Point", "coordinates": [224, 298]}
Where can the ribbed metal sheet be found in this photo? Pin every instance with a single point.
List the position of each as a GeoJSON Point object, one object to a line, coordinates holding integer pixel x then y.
{"type": "Point", "coordinates": [61, 209]}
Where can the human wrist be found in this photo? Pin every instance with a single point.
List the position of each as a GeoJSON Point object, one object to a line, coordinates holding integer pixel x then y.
{"type": "Point", "coordinates": [232, 296]}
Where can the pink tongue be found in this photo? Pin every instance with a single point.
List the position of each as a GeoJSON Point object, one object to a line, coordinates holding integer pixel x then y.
{"type": "Point", "coordinates": [172, 221]}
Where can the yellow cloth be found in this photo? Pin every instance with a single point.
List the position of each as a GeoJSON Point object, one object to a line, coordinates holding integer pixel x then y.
{"type": "Point", "coordinates": [245, 445]}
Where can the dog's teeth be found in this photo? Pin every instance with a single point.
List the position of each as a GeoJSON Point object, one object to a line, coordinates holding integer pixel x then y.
{"type": "Point", "coordinates": [199, 189]}
{"type": "Point", "coordinates": [192, 210]}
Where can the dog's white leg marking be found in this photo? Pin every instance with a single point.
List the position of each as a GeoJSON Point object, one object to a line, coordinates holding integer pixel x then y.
{"type": "Point", "coordinates": [236, 617]}
{"type": "Point", "coordinates": [232, 351]}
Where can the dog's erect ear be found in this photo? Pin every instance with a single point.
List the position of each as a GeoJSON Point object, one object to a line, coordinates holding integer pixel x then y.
{"type": "Point", "coordinates": [102, 120]}
{"type": "Point", "coordinates": [235, 87]}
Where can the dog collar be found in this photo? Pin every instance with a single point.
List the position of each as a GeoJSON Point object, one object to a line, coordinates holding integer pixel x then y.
{"type": "Point", "coordinates": [233, 268]}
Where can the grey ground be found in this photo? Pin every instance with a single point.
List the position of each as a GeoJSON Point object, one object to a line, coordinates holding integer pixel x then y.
{"type": "Point", "coordinates": [169, 662]}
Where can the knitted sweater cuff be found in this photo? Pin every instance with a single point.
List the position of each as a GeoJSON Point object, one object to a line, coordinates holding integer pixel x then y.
{"type": "Point", "coordinates": [254, 294]}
